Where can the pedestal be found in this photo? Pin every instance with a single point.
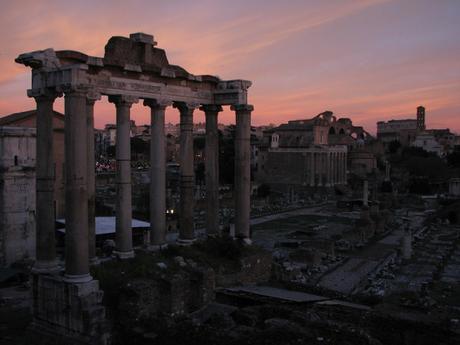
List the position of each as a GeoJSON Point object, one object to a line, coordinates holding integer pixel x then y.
{"type": "Point", "coordinates": [70, 312]}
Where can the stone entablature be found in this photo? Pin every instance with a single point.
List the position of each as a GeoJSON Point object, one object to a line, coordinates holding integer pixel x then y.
{"type": "Point", "coordinates": [131, 66]}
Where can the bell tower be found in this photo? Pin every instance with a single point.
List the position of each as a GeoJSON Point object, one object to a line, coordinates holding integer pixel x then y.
{"type": "Point", "coordinates": [421, 118]}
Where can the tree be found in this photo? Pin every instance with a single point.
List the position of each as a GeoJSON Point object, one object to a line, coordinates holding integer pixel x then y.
{"type": "Point", "coordinates": [453, 159]}
{"type": "Point", "coordinates": [394, 146]}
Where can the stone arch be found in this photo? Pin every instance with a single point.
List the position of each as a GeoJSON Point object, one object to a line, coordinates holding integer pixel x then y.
{"type": "Point", "coordinates": [332, 130]}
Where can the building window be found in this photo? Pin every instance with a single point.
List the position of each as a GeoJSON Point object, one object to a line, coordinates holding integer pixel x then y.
{"type": "Point", "coordinates": [15, 160]}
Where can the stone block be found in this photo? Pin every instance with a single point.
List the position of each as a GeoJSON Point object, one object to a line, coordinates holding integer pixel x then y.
{"type": "Point", "coordinates": [141, 37]}
{"type": "Point", "coordinates": [71, 312]}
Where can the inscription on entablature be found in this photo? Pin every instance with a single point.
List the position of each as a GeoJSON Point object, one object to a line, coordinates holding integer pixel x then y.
{"type": "Point", "coordinates": [226, 97]}
{"type": "Point", "coordinates": [127, 86]}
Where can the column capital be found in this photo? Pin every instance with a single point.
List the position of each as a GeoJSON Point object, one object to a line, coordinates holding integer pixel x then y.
{"type": "Point", "coordinates": [92, 96]}
{"type": "Point", "coordinates": [211, 108]}
{"type": "Point", "coordinates": [160, 103]}
{"type": "Point", "coordinates": [75, 89]}
{"type": "Point", "coordinates": [186, 106]}
{"type": "Point", "coordinates": [123, 100]}
{"type": "Point", "coordinates": [242, 107]}
{"type": "Point", "coordinates": [45, 94]}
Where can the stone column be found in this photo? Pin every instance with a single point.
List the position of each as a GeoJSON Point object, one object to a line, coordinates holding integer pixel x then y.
{"type": "Point", "coordinates": [365, 193]}
{"type": "Point", "coordinates": [92, 97]}
{"type": "Point", "coordinates": [328, 169]}
{"type": "Point", "coordinates": [341, 168]}
{"type": "Point", "coordinates": [312, 169]}
{"type": "Point", "coordinates": [45, 227]}
{"type": "Point", "coordinates": [76, 192]}
{"type": "Point", "coordinates": [318, 168]}
{"type": "Point", "coordinates": [123, 236]}
{"type": "Point", "coordinates": [324, 168]}
{"type": "Point", "coordinates": [212, 169]}
{"type": "Point", "coordinates": [242, 186]}
{"type": "Point", "coordinates": [345, 168]}
{"type": "Point", "coordinates": [157, 173]}
{"type": "Point", "coordinates": [187, 175]}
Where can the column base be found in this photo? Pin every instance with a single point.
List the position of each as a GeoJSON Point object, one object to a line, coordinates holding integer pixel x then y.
{"type": "Point", "coordinates": [157, 247]}
{"type": "Point", "coordinates": [123, 255]}
{"type": "Point", "coordinates": [184, 243]}
{"type": "Point", "coordinates": [76, 316]}
{"type": "Point", "coordinates": [46, 267]}
{"type": "Point", "coordinates": [77, 278]}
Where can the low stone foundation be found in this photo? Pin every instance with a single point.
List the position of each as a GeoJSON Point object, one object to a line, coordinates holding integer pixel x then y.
{"type": "Point", "coordinates": [68, 311]}
{"type": "Point", "coordinates": [255, 269]}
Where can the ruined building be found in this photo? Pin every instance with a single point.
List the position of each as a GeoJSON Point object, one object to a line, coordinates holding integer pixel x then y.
{"type": "Point", "coordinates": [28, 119]}
{"type": "Point", "coordinates": [307, 153]}
{"type": "Point", "coordinates": [132, 69]}
{"type": "Point", "coordinates": [403, 131]}
{"type": "Point", "coordinates": [17, 194]}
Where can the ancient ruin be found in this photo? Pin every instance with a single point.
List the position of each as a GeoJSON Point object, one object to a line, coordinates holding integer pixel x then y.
{"type": "Point", "coordinates": [132, 69]}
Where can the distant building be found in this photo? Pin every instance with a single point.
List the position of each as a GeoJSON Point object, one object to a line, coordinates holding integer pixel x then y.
{"type": "Point", "coordinates": [28, 119]}
{"type": "Point", "coordinates": [17, 194]}
{"type": "Point", "coordinates": [309, 153]}
{"type": "Point", "coordinates": [110, 132]}
{"type": "Point", "coordinates": [403, 131]}
{"type": "Point", "coordinates": [428, 142]}
{"type": "Point", "coordinates": [445, 138]}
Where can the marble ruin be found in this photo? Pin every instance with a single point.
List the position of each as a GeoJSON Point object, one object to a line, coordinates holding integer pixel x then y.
{"type": "Point", "coordinates": [132, 69]}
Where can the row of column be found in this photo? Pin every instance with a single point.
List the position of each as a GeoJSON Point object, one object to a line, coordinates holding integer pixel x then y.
{"type": "Point", "coordinates": [80, 177]}
{"type": "Point", "coordinates": [327, 168]}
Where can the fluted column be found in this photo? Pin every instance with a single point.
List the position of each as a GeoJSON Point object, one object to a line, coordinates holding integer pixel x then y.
{"type": "Point", "coordinates": [76, 162]}
{"type": "Point", "coordinates": [187, 176]}
{"type": "Point", "coordinates": [45, 226]}
{"type": "Point", "coordinates": [91, 98]}
{"type": "Point", "coordinates": [123, 235]}
{"type": "Point", "coordinates": [243, 171]}
{"type": "Point", "coordinates": [212, 169]}
{"type": "Point", "coordinates": [157, 173]}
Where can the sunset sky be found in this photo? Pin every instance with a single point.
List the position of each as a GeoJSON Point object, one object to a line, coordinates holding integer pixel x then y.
{"type": "Point", "coordinates": [368, 60]}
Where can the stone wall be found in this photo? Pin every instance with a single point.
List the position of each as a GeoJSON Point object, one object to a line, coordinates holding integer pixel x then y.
{"type": "Point", "coordinates": [255, 269]}
{"type": "Point", "coordinates": [17, 194]}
